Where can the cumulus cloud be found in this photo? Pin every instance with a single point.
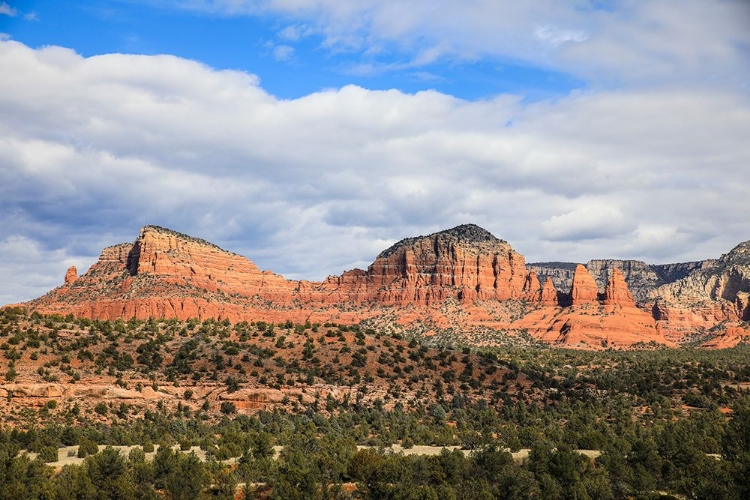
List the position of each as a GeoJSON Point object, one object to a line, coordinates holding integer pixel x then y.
{"type": "Point", "coordinates": [643, 41]}
{"type": "Point", "coordinates": [595, 220]}
{"type": "Point", "coordinates": [91, 149]}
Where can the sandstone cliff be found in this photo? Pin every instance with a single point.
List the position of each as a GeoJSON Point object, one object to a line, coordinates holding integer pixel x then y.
{"type": "Point", "coordinates": [584, 289]}
{"type": "Point", "coordinates": [617, 291]}
{"type": "Point", "coordinates": [593, 320]}
{"type": "Point", "coordinates": [466, 263]}
{"type": "Point", "coordinates": [461, 280]}
{"type": "Point", "coordinates": [168, 273]}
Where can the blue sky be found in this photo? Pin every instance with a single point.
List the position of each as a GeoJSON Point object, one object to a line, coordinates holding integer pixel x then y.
{"type": "Point", "coordinates": [289, 57]}
{"type": "Point", "coordinates": [310, 135]}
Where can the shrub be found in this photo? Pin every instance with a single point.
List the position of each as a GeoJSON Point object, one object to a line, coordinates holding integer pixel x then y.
{"type": "Point", "coordinates": [148, 446]}
{"type": "Point", "coordinates": [227, 407]}
{"type": "Point", "coordinates": [86, 448]}
{"type": "Point", "coordinates": [48, 454]}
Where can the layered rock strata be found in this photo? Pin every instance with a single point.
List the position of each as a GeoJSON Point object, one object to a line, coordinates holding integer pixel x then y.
{"type": "Point", "coordinates": [594, 320]}
{"type": "Point", "coordinates": [641, 278]}
{"type": "Point", "coordinates": [169, 274]}
{"type": "Point", "coordinates": [584, 289]}
{"type": "Point", "coordinates": [709, 296]}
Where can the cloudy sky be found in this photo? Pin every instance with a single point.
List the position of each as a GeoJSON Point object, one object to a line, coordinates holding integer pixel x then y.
{"type": "Point", "coordinates": [308, 135]}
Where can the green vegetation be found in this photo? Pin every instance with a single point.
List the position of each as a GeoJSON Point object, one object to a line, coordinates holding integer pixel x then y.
{"type": "Point", "coordinates": [665, 423]}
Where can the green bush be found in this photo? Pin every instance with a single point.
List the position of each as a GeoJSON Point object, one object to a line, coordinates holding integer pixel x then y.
{"type": "Point", "coordinates": [48, 454]}
{"type": "Point", "coordinates": [86, 448]}
{"type": "Point", "coordinates": [148, 446]}
{"type": "Point", "coordinates": [227, 407]}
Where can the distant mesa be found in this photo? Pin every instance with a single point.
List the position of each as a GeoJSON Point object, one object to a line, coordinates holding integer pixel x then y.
{"type": "Point", "coordinates": [461, 280]}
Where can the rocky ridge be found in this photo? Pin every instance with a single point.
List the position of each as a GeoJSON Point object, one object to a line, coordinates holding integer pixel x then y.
{"type": "Point", "coordinates": [640, 277]}
{"type": "Point", "coordinates": [167, 274]}
{"type": "Point", "coordinates": [715, 295]}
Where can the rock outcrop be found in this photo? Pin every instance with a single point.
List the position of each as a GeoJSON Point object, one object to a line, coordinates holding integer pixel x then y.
{"type": "Point", "coordinates": [70, 275]}
{"type": "Point", "coordinates": [584, 289]}
{"type": "Point", "coordinates": [707, 296]}
{"type": "Point", "coordinates": [466, 263]}
{"type": "Point", "coordinates": [531, 288]}
{"type": "Point", "coordinates": [549, 294]}
{"type": "Point", "coordinates": [560, 273]}
{"type": "Point", "coordinates": [593, 320]}
{"type": "Point", "coordinates": [641, 278]}
{"type": "Point", "coordinates": [617, 292]}
{"type": "Point", "coordinates": [459, 279]}
{"type": "Point", "coordinates": [166, 273]}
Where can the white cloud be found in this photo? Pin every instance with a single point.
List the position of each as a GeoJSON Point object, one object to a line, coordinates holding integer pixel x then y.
{"type": "Point", "coordinates": [28, 269]}
{"type": "Point", "coordinates": [283, 52]}
{"type": "Point", "coordinates": [294, 33]}
{"type": "Point", "coordinates": [93, 148]}
{"type": "Point", "coordinates": [7, 10]}
{"type": "Point", "coordinates": [641, 41]}
{"type": "Point", "coordinates": [595, 220]}
{"type": "Point", "coordinates": [555, 36]}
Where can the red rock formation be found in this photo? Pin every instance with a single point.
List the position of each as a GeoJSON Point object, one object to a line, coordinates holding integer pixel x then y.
{"type": "Point", "coordinates": [549, 294]}
{"type": "Point", "coordinates": [165, 273]}
{"type": "Point", "coordinates": [613, 327]}
{"type": "Point", "coordinates": [531, 288]}
{"type": "Point", "coordinates": [70, 275]}
{"type": "Point", "coordinates": [713, 295]}
{"type": "Point", "coordinates": [588, 323]}
{"type": "Point", "coordinates": [584, 289]}
{"type": "Point", "coordinates": [465, 263]}
{"type": "Point", "coordinates": [460, 279]}
{"type": "Point", "coordinates": [729, 336]}
{"type": "Point", "coordinates": [617, 292]}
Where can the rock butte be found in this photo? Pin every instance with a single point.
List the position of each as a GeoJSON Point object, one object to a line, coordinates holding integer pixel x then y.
{"type": "Point", "coordinates": [463, 278]}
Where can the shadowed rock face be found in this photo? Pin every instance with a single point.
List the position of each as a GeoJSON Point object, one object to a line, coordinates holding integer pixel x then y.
{"type": "Point", "coordinates": [164, 273]}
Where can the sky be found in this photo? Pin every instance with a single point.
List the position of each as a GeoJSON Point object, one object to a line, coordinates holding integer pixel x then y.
{"type": "Point", "coordinates": [309, 135]}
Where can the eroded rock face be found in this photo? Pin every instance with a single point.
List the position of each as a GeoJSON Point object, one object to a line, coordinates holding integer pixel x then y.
{"type": "Point", "coordinates": [584, 289]}
{"type": "Point", "coordinates": [641, 278]}
{"type": "Point", "coordinates": [617, 292]}
{"type": "Point", "coordinates": [611, 326]}
{"type": "Point", "coordinates": [707, 296]}
{"type": "Point", "coordinates": [70, 275]}
{"type": "Point", "coordinates": [466, 263]}
{"type": "Point", "coordinates": [172, 275]}
{"type": "Point", "coordinates": [165, 273]}
{"type": "Point", "coordinates": [549, 294]}
{"type": "Point", "coordinates": [531, 288]}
